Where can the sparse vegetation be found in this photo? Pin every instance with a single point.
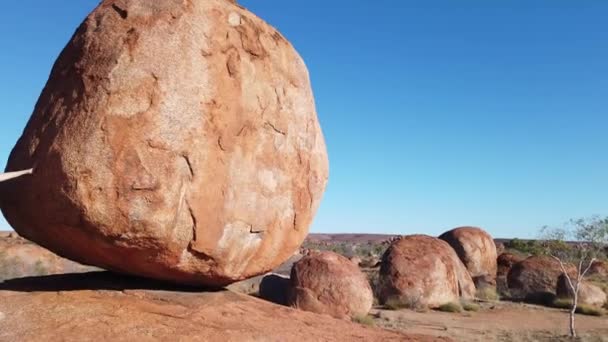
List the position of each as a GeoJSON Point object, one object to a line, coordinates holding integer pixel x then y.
{"type": "Point", "coordinates": [347, 249]}
{"type": "Point", "coordinates": [583, 309]}
{"type": "Point", "coordinates": [364, 319]}
{"type": "Point", "coordinates": [487, 293]}
{"type": "Point", "coordinates": [450, 307]}
{"type": "Point", "coordinates": [397, 303]}
{"type": "Point", "coordinates": [468, 306]}
{"type": "Point", "coordinates": [592, 238]}
{"type": "Point", "coordinates": [527, 247]}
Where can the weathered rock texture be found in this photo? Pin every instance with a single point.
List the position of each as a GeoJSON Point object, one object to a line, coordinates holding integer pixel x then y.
{"type": "Point", "coordinates": [535, 278]}
{"type": "Point", "coordinates": [587, 294]}
{"type": "Point", "coordinates": [420, 270]}
{"type": "Point", "coordinates": [329, 283]}
{"type": "Point", "coordinates": [505, 262]}
{"type": "Point", "coordinates": [599, 269]}
{"type": "Point", "coordinates": [476, 248]}
{"type": "Point", "coordinates": [86, 313]}
{"type": "Point", "coordinates": [175, 139]}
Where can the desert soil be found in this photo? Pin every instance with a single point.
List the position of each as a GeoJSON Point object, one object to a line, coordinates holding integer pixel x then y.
{"type": "Point", "coordinates": [500, 321]}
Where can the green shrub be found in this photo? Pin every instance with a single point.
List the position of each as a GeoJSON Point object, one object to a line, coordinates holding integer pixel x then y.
{"type": "Point", "coordinates": [364, 319]}
{"type": "Point", "coordinates": [468, 306]}
{"type": "Point", "coordinates": [450, 307]}
{"type": "Point", "coordinates": [487, 293]}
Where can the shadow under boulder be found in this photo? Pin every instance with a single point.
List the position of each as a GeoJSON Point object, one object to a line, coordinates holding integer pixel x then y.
{"type": "Point", "coordinates": [274, 288]}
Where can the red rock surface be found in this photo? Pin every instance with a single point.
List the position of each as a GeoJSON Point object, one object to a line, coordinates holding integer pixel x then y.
{"type": "Point", "coordinates": [535, 276]}
{"type": "Point", "coordinates": [475, 248]}
{"type": "Point", "coordinates": [505, 262]}
{"type": "Point", "coordinates": [175, 139]}
{"type": "Point", "coordinates": [329, 283]}
{"type": "Point", "coordinates": [420, 270]}
{"type": "Point", "coordinates": [100, 308]}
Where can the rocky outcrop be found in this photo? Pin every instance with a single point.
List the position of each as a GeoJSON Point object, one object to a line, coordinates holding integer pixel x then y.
{"type": "Point", "coordinates": [535, 278]}
{"type": "Point", "coordinates": [20, 258]}
{"type": "Point", "coordinates": [138, 312]}
{"type": "Point", "coordinates": [328, 283]}
{"type": "Point", "coordinates": [477, 251]}
{"type": "Point", "coordinates": [420, 270]}
{"type": "Point", "coordinates": [500, 247]}
{"type": "Point", "coordinates": [174, 139]}
{"type": "Point", "coordinates": [505, 262]}
{"type": "Point", "coordinates": [587, 294]}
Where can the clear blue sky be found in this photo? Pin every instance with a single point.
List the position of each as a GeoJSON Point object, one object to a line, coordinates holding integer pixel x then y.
{"type": "Point", "coordinates": [436, 113]}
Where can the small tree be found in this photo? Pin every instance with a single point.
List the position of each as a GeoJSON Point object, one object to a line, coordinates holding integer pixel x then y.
{"type": "Point", "coordinates": [588, 240]}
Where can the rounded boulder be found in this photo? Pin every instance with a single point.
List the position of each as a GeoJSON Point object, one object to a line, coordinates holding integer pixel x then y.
{"type": "Point", "coordinates": [328, 283]}
{"type": "Point", "coordinates": [535, 278]}
{"type": "Point", "coordinates": [174, 139]}
{"type": "Point", "coordinates": [476, 249]}
{"type": "Point", "coordinates": [588, 294]}
{"type": "Point", "coordinates": [422, 271]}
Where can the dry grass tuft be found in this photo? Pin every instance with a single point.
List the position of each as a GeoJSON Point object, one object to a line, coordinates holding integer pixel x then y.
{"type": "Point", "coordinates": [487, 293]}
{"type": "Point", "coordinates": [450, 307]}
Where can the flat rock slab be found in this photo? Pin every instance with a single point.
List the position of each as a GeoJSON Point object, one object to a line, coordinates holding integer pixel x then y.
{"type": "Point", "coordinates": [104, 307]}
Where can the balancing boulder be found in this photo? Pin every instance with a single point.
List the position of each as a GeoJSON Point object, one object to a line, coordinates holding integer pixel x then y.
{"type": "Point", "coordinates": [175, 139]}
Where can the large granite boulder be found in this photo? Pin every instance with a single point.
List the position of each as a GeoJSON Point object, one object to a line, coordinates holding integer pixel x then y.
{"type": "Point", "coordinates": [328, 283]}
{"type": "Point", "coordinates": [535, 278]}
{"type": "Point", "coordinates": [588, 293]}
{"type": "Point", "coordinates": [476, 248]}
{"type": "Point", "coordinates": [423, 271]}
{"type": "Point", "coordinates": [174, 139]}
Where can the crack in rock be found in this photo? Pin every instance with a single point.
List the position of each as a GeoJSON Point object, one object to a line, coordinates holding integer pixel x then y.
{"type": "Point", "coordinates": [121, 12]}
{"type": "Point", "coordinates": [274, 128]}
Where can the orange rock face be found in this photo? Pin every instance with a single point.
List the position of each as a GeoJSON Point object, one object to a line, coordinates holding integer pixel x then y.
{"type": "Point", "coordinates": [175, 139]}
{"type": "Point", "coordinates": [476, 248]}
{"type": "Point", "coordinates": [329, 283]}
{"type": "Point", "coordinates": [420, 270]}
